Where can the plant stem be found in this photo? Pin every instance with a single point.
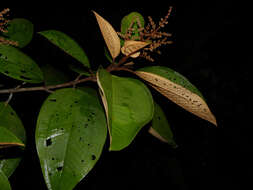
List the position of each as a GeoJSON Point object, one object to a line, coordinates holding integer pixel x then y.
{"type": "Point", "coordinates": [46, 88]}
{"type": "Point", "coordinates": [112, 67]}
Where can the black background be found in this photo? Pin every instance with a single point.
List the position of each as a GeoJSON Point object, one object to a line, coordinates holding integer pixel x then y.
{"type": "Point", "coordinates": [212, 48]}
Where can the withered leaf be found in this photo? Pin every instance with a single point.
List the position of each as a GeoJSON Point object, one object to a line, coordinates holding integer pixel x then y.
{"type": "Point", "coordinates": [110, 35]}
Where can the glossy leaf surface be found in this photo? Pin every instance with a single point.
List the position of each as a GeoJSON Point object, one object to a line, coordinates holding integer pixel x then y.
{"type": "Point", "coordinates": [70, 135]}
{"type": "Point", "coordinates": [129, 106]}
{"type": "Point", "coordinates": [67, 44]}
{"type": "Point", "coordinates": [18, 65]}
{"type": "Point", "coordinates": [178, 89]}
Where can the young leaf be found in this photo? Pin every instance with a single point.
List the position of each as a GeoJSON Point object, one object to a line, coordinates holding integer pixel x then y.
{"type": "Point", "coordinates": [133, 20]}
{"type": "Point", "coordinates": [110, 36]}
{"type": "Point", "coordinates": [178, 89]}
{"type": "Point", "coordinates": [53, 76]}
{"type": "Point", "coordinates": [8, 139]}
{"type": "Point", "coordinates": [11, 122]}
{"type": "Point", "coordinates": [161, 128]}
{"type": "Point", "coordinates": [70, 135]}
{"type": "Point", "coordinates": [131, 46]}
{"type": "Point", "coordinates": [4, 183]}
{"type": "Point", "coordinates": [67, 44]}
{"type": "Point", "coordinates": [20, 30]}
{"type": "Point", "coordinates": [17, 65]}
{"type": "Point", "coordinates": [128, 104]}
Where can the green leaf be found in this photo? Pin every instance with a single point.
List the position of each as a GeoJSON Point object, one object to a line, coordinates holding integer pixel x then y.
{"type": "Point", "coordinates": [132, 20]}
{"type": "Point", "coordinates": [8, 139]}
{"type": "Point", "coordinates": [20, 30]}
{"type": "Point", "coordinates": [161, 128]}
{"type": "Point", "coordinates": [78, 69]}
{"type": "Point", "coordinates": [128, 104]}
{"type": "Point", "coordinates": [53, 76]}
{"type": "Point", "coordinates": [67, 44]}
{"type": "Point", "coordinates": [4, 183]}
{"type": "Point", "coordinates": [70, 135]}
{"type": "Point", "coordinates": [11, 122]}
{"type": "Point", "coordinates": [18, 65]}
{"type": "Point", "coordinates": [178, 89]}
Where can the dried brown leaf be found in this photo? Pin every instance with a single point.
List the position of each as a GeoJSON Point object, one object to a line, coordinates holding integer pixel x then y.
{"type": "Point", "coordinates": [110, 36]}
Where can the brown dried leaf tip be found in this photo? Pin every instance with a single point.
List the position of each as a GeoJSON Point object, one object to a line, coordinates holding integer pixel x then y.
{"type": "Point", "coordinates": [152, 33]}
{"type": "Point", "coordinates": [3, 25]}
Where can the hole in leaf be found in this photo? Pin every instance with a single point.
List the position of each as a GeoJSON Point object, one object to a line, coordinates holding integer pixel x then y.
{"type": "Point", "coordinates": [93, 157]}
{"type": "Point", "coordinates": [76, 102]}
{"type": "Point", "coordinates": [52, 100]}
{"type": "Point", "coordinates": [82, 161]}
{"type": "Point", "coordinates": [53, 158]}
{"type": "Point", "coordinates": [12, 113]}
{"type": "Point", "coordinates": [48, 142]}
{"type": "Point", "coordinates": [59, 168]}
{"type": "Point", "coordinates": [6, 72]}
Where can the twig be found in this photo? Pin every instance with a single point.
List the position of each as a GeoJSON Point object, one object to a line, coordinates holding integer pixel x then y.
{"type": "Point", "coordinates": [46, 88]}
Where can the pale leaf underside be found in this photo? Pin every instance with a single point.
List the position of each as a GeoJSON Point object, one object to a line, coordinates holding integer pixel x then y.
{"type": "Point", "coordinates": [110, 36]}
{"type": "Point", "coordinates": [156, 134]}
{"type": "Point", "coordinates": [179, 95]}
{"type": "Point", "coordinates": [131, 46]}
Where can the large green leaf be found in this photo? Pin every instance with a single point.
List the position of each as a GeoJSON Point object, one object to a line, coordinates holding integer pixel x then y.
{"type": "Point", "coordinates": [67, 44]}
{"type": "Point", "coordinates": [20, 30]}
{"type": "Point", "coordinates": [70, 135]}
{"type": "Point", "coordinates": [53, 76]}
{"type": "Point", "coordinates": [178, 89]}
{"type": "Point", "coordinates": [11, 122]}
{"type": "Point", "coordinates": [4, 183]}
{"type": "Point", "coordinates": [17, 65]}
{"type": "Point", "coordinates": [128, 104]}
{"type": "Point", "coordinates": [161, 128]}
{"type": "Point", "coordinates": [134, 20]}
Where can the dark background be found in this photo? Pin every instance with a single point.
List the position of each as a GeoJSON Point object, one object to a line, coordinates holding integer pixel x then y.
{"type": "Point", "coordinates": [212, 49]}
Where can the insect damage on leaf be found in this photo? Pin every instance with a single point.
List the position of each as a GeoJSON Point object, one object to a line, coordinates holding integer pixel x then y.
{"type": "Point", "coordinates": [179, 95]}
{"type": "Point", "coordinates": [110, 35]}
